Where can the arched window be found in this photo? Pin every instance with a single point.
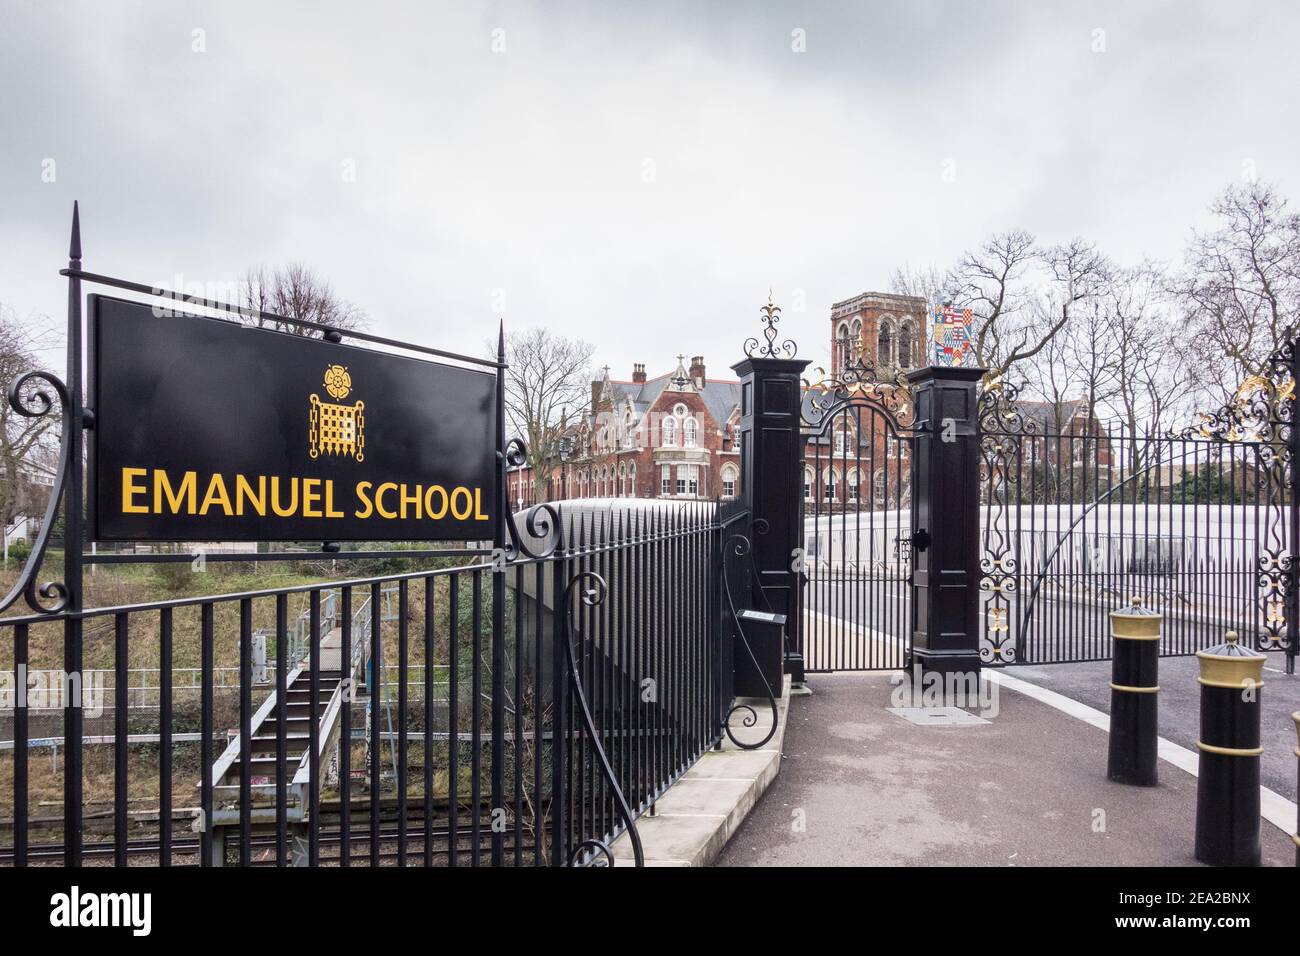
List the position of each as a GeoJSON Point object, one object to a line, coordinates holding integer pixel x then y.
{"type": "Point", "coordinates": [729, 477]}
{"type": "Point", "coordinates": [631, 480]}
{"type": "Point", "coordinates": [842, 441]}
{"type": "Point", "coordinates": [830, 478]}
{"type": "Point", "coordinates": [669, 429]}
{"type": "Point", "coordinates": [906, 336]}
{"type": "Point", "coordinates": [622, 478]}
{"type": "Point", "coordinates": [885, 346]}
{"type": "Point", "coordinates": [807, 484]}
{"type": "Point", "coordinates": [690, 431]}
{"type": "Point", "coordinates": [851, 486]}
{"type": "Point", "coordinates": [843, 346]}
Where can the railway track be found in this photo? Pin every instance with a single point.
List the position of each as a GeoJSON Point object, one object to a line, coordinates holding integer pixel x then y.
{"type": "Point", "coordinates": [265, 844]}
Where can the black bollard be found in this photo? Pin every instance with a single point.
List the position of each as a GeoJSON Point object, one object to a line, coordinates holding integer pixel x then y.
{"type": "Point", "coordinates": [1227, 787]}
{"type": "Point", "coordinates": [1135, 658]}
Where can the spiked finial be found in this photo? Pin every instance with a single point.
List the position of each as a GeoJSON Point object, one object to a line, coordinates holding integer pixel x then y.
{"type": "Point", "coordinates": [74, 247]}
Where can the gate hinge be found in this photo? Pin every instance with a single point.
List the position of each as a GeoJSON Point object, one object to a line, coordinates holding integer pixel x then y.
{"type": "Point", "coordinates": [920, 540]}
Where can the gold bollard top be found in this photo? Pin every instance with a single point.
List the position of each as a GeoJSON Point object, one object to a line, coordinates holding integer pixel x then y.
{"type": "Point", "coordinates": [1231, 665]}
{"type": "Point", "coordinates": [1135, 622]}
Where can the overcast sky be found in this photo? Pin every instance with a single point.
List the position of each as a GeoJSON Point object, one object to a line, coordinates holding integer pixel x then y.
{"type": "Point", "coordinates": [635, 175]}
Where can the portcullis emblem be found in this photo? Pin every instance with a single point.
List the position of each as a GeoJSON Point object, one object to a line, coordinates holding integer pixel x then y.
{"type": "Point", "coordinates": [337, 429]}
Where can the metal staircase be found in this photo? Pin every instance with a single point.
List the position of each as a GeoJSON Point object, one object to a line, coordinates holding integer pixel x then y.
{"type": "Point", "coordinates": [295, 713]}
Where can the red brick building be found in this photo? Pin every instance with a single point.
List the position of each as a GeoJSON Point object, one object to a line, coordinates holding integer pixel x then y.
{"type": "Point", "coordinates": [673, 436]}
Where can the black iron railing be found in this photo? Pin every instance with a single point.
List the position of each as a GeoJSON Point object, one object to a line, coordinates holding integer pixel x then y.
{"type": "Point", "coordinates": [386, 742]}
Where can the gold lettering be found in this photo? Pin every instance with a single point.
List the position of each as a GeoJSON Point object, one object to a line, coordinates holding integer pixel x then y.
{"type": "Point", "coordinates": [411, 499]}
{"type": "Point", "coordinates": [435, 514]}
{"type": "Point", "coordinates": [244, 492]}
{"type": "Point", "coordinates": [329, 500]}
{"type": "Point", "coordinates": [130, 488]}
{"type": "Point", "coordinates": [478, 505]}
{"type": "Point", "coordinates": [216, 495]}
{"type": "Point", "coordinates": [280, 510]}
{"type": "Point", "coordinates": [469, 503]}
{"type": "Point", "coordinates": [366, 510]}
{"type": "Point", "coordinates": [311, 498]}
{"type": "Point", "coordinates": [186, 493]}
{"type": "Point", "coordinates": [379, 499]}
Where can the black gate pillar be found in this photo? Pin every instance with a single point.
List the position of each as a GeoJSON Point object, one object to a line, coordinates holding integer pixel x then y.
{"type": "Point", "coordinates": [771, 485]}
{"type": "Point", "coordinates": [945, 521]}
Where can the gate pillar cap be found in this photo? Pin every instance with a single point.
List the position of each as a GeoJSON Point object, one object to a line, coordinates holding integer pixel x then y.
{"type": "Point", "coordinates": [756, 363]}
{"type": "Point", "coordinates": [1230, 665]}
{"type": "Point", "coordinates": [967, 373]}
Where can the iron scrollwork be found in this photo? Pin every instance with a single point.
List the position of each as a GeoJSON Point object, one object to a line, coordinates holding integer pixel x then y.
{"type": "Point", "coordinates": [1260, 416]}
{"type": "Point", "coordinates": [1002, 428]}
{"type": "Point", "coordinates": [592, 593]}
{"type": "Point", "coordinates": [34, 403]}
{"type": "Point", "coordinates": [542, 522]}
{"type": "Point", "coordinates": [856, 382]}
{"type": "Point", "coordinates": [769, 348]}
{"type": "Point", "coordinates": [742, 548]}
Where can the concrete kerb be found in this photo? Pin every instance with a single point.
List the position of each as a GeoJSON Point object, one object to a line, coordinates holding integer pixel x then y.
{"type": "Point", "coordinates": [697, 816]}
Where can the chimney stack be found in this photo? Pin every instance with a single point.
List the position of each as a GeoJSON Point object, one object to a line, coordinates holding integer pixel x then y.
{"type": "Point", "coordinates": [638, 374]}
{"type": "Point", "coordinates": [697, 370]}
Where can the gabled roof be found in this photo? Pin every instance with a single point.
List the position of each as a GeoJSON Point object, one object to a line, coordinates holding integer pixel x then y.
{"type": "Point", "coordinates": [719, 396]}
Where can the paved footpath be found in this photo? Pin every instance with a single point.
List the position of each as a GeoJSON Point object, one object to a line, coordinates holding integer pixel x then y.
{"type": "Point", "coordinates": [1180, 706]}
{"type": "Point", "coordinates": [861, 786]}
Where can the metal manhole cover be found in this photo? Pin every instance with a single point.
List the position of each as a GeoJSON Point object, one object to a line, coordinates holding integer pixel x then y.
{"type": "Point", "coordinates": [937, 716]}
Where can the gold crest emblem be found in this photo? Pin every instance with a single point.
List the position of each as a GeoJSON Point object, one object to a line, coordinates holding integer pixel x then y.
{"type": "Point", "coordinates": [337, 429]}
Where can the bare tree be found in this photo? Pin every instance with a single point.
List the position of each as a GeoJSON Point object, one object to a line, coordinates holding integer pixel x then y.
{"type": "Point", "coordinates": [992, 282]}
{"type": "Point", "coordinates": [296, 292]}
{"type": "Point", "coordinates": [26, 456]}
{"type": "Point", "coordinates": [1050, 373]}
{"type": "Point", "coordinates": [1239, 286]}
{"type": "Point", "coordinates": [1147, 361]}
{"type": "Point", "coordinates": [548, 387]}
{"type": "Point", "coordinates": [927, 282]}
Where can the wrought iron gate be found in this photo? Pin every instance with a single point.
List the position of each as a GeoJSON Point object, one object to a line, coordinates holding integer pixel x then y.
{"type": "Point", "coordinates": [1078, 515]}
{"type": "Point", "coordinates": [857, 496]}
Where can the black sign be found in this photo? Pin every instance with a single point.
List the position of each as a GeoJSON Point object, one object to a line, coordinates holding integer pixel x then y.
{"type": "Point", "coordinates": [206, 430]}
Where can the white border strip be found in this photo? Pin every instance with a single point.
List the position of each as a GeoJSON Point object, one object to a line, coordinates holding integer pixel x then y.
{"type": "Point", "coordinates": [1273, 807]}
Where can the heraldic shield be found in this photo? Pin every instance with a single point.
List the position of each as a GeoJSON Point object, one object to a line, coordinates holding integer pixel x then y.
{"type": "Point", "coordinates": [337, 429]}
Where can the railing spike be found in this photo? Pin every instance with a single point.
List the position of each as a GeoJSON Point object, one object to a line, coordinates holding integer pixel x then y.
{"type": "Point", "coordinates": [74, 247]}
